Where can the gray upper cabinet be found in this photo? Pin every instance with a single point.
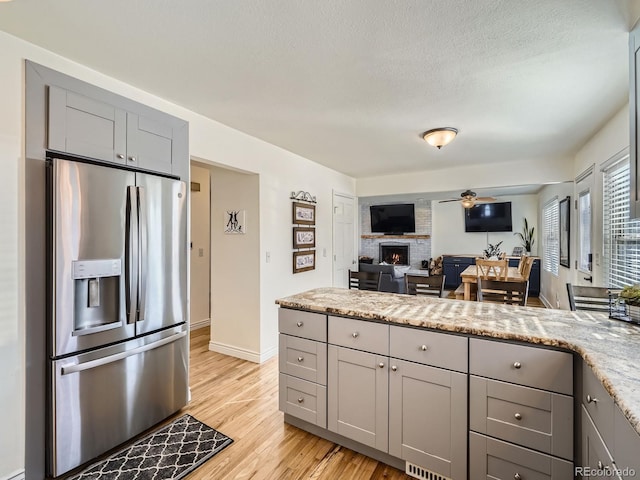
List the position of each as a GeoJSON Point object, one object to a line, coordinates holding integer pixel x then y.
{"type": "Point", "coordinates": [87, 127]}
{"type": "Point", "coordinates": [634, 92]}
{"type": "Point", "coordinates": [84, 126]}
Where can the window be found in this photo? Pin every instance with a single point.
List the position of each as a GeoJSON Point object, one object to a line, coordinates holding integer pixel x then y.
{"type": "Point", "coordinates": [550, 234]}
{"type": "Point", "coordinates": [584, 231]}
{"type": "Point", "coordinates": [621, 235]}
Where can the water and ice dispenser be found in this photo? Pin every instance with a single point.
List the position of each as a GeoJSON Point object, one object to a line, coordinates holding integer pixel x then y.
{"type": "Point", "coordinates": [96, 294]}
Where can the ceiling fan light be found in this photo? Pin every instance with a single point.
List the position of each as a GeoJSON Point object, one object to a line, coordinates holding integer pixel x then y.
{"type": "Point", "coordinates": [439, 137]}
{"type": "Point", "coordinates": [468, 202]}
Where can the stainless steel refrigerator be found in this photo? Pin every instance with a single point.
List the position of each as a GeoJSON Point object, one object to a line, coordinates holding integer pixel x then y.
{"type": "Point", "coordinates": [117, 333]}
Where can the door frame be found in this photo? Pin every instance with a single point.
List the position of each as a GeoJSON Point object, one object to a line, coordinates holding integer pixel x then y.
{"type": "Point", "coordinates": [356, 230]}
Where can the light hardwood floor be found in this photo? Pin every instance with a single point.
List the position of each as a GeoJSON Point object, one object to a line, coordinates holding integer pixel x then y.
{"type": "Point", "coordinates": [240, 399]}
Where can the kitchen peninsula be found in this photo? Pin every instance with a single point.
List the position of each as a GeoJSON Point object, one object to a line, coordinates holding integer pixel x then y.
{"type": "Point", "coordinates": [491, 358]}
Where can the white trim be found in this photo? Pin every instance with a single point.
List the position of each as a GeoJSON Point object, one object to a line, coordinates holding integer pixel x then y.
{"type": "Point", "coordinates": [616, 158]}
{"type": "Point", "coordinates": [243, 353]}
{"type": "Point", "coordinates": [545, 302]}
{"type": "Point", "coordinates": [19, 475]}
{"type": "Point", "coordinates": [200, 324]}
{"type": "Point", "coordinates": [584, 175]}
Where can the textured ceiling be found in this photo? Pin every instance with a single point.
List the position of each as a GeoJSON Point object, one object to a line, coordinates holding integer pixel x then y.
{"type": "Point", "coordinates": [352, 84]}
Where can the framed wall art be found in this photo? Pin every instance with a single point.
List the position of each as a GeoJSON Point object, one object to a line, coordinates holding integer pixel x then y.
{"type": "Point", "coordinates": [234, 222]}
{"type": "Point", "coordinates": [304, 237]}
{"type": "Point", "coordinates": [565, 221]}
{"type": "Point", "coordinates": [304, 261]}
{"type": "Point", "coordinates": [304, 214]}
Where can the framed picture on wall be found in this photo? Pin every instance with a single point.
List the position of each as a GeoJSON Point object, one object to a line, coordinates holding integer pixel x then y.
{"type": "Point", "coordinates": [304, 261]}
{"type": "Point", "coordinates": [304, 214]}
{"type": "Point", "coordinates": [565, 221]}
{"type": "Point", "coordinates": [304, 237]}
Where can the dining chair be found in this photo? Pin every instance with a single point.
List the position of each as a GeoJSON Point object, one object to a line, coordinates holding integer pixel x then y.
{"type": "Point", "coordinates": [364, 280]}
{"type": "Point", "coordinates": [492, 269]}
{"type": "Point", "coordinates": [503, 291]}
{"type": "Point", "coordinates": [432, 285]}
{"type": "Point", "coordinates": [527, 265]}
{"type": "Point", "coordinates": [594, 299]}
{"type": "Point", "coordinates": [521, 263]}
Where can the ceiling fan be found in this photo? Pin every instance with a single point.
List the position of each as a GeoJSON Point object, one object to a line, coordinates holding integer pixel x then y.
{"type": "Point", "coordinates": [468, 199]}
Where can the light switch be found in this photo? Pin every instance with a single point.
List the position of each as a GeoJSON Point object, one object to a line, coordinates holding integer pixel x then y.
{"type": "Point", "coordinates": [201, 252]}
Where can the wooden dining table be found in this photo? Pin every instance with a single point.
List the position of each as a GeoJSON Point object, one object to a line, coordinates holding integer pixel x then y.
{"type": "Point", "coordinates": [470, 277]}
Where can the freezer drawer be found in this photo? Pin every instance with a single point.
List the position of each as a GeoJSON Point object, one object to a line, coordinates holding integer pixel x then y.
{"type": "Point", "coordinates": [104, 398]}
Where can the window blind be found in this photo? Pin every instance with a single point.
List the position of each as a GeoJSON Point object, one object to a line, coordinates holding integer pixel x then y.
{"type": "Point", "coordinates": [550, 237]}
{"type": "Point", "coordinates": [621, 235]}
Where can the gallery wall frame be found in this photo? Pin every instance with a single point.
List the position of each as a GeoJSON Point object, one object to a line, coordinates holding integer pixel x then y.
{"type": "Point", "coordinates": [304, 237]}
{"type": "Point", "coordinates": [303, 214]}
{"type": "Point", "coordinates": [565, 225]}
{"type": "Point", "coordinates": [304, 261]}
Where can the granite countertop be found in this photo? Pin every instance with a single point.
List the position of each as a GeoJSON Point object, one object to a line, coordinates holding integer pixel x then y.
{"type": "Point", "coordinates": [611, 348]}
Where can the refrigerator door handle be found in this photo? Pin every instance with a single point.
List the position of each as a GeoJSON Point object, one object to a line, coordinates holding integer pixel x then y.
{"type": "Point", "coordinates": [79, 367]}
{"type": "Point", "coordinates": [131, 254]}
{"type": "Point", "coordinates": [143, 260]}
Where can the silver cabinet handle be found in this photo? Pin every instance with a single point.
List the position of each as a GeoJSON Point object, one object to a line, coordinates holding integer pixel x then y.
{"type": "Point", "coordinates": [423, 348]}
{"type": "Point", "coordinates": [517, 476]}
{"type": "Point", "coordinates": [120, 156]}
{"type": "Point", "coordinates": [394, 368]}
{"type": "Point", "coordinates": [355, 334]}
{"type": "Point", "coordinates": [591, 399]}
{"type": "Point", "coordinates": [132, 158]}
{"type": "Point", "coordinates": [517, 365]}
{"type": "Point", "coordinates": [381, 365]}
{"type": "Point", "coordinates": [300, 359]}
{"type": "Point", "coordinates": [518, 416]}
{"type": "Point", "coordinates": [600, 465]}
{"type": "Point", "coordinates": [300, 400]}
{"type": "Point", "coordinates": [299, 324]}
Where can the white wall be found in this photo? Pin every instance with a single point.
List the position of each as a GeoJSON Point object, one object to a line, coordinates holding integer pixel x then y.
{"type": "Point", "coordinates": [449, 237]}
{"type": "Point", "coordinates": [280, 173]}
{"type": "Point", "coordinates": [200, 247]}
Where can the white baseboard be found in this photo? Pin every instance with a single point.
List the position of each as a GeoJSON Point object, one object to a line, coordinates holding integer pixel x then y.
{"type": "Point", "coordinates": [545, 302]}
{"type": "Point", "coordinates": [16, 476]}
{"type": "Point", "coordinates": [242, 353]}
{"type": "Point", "coordinates": [200, 324]}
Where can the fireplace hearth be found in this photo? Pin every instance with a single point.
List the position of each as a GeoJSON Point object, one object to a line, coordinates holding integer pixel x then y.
{"type": "Point", "coordinates": [396, 254]}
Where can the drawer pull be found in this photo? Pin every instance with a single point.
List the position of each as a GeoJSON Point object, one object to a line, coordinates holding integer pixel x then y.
{"type": "Point", "coordinates": [394, 368]}
{"type": "Point", "coordinates": [423, 348]}
{"type": "Point", "coordinates": [381, 365]}
{"type": "Point", "coordinates": [600, 465]}
{"type": "Point", "coordinates": [517, 476]}
{"type": "Point", "coordinates": [120, 156]}
{"type": "Point", "coordinates": [300, 359]}
{"type": "Point", "coordinates": [518, 416]}
{"type": "Point", "coordinates": [299, 324]}
{"type": "Point", "coordinates": [517, 365]}
{"type": "Point", "coordinates": [591, 399]}
{"type": "Point", "coordinates": [355, 334]}
{"type": "Point", "coordinates": [300, 400]}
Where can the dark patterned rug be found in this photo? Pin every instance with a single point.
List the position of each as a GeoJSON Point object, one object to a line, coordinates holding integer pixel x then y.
{"type": "Point", "coordinates": [168, 453]}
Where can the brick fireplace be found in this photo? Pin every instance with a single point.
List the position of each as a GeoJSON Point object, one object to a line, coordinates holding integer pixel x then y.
{"type": "Point", "coordinates": [396, 254]}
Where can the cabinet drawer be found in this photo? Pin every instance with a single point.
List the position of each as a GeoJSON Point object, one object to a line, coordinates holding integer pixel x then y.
{"type": "Point", "coordinates": [303, 324]}
{"type": "Point", "coordinates": [430, 348]}
{"type": "Point", "coordinates": [491, 458]}
{"type": "Point", "coordinates": [359, 334]}
{"type": "Point", "coordinates": [530, 366]}
{"type": "Point", "coordinates": [529, 417]}
{"type": "Point", "coordinates": [303, 358]}
{"type": "Point", "coordinates": [304, 400]}
{"type": "Point", "coordinates": [598, 404]}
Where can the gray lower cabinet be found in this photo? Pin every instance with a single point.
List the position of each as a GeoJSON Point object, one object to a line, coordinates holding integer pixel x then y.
{"type": "Point", "coordinates": [358, 396]}
{"type": "Point", "coordinates": [85, 126]}
{"type": "Point", "coordinates": [490, 458]}
{"type": "Point", "coordinates": [428, 417]}
{"type": "Point", "coordinates": [596, 458]}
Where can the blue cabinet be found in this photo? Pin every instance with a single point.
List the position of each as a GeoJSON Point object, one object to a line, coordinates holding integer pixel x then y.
{"type": "Point", "coordinates": [534, 276]}
{"type": "Point", "coordinates": [452, 267]}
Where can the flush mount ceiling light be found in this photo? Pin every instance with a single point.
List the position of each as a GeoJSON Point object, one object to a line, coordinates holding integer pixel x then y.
{"type": "Point", "coordinates": [439, 137]}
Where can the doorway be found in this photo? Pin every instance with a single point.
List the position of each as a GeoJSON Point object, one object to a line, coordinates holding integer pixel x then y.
{"type": "Point", "coordinates": [344, 241]}
{"type": "Point", "coordinates": [200, 256]}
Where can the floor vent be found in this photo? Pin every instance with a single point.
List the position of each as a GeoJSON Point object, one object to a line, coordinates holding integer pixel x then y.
{"type": "Point", "coordinates": [422, 473]}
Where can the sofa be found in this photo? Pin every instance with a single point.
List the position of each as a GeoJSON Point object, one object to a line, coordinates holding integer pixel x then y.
{"type": "Point", "coordinates": [391, 276]}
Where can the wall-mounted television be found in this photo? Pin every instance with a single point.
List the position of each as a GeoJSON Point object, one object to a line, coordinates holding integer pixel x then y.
{"type": "Point", "coordinates": [488, 217]}
{"type": "Point", "coordinates": [393, 219]}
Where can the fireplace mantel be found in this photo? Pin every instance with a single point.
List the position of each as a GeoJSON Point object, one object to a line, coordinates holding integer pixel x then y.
{"type": "Point", "coordinates": [408, 235]}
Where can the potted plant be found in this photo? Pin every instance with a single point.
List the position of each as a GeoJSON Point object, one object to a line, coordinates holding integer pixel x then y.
{"type": "Point", "coordinates": [631, 296]}
{"type": "Point", "coordinates": [526, 236]}
{"type": "Point", "coordinates": [492, 251]}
